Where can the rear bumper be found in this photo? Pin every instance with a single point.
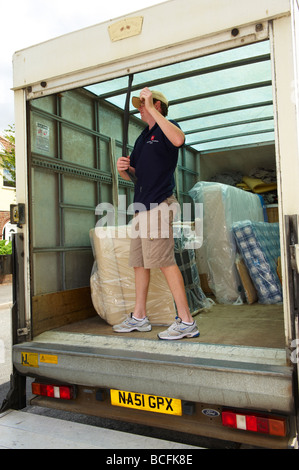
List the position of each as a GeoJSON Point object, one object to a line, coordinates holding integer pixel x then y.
{"type": "Point", "coordinates": [252, 378]}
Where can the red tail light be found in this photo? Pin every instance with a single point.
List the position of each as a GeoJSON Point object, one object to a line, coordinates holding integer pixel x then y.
{"type": "Point", "coordinates": [64, 392]}
{"type": "Point", "coordinates": [276, 426]}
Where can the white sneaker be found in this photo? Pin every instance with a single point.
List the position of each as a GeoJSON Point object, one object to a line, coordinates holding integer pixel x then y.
{"type": "Point", "coordinates": [179, 330]}
{"type": "Point", "coordinates": [130, 324]}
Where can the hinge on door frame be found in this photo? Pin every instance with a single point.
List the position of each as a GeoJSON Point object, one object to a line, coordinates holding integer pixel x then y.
{"type": "Point", "coordinates": [294, 255]}
{"type": "Point", "coordinates": [292, 233]}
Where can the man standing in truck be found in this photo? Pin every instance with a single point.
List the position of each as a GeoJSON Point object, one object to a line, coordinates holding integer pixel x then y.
{"type": "Point", "coordinates": [153, 162]}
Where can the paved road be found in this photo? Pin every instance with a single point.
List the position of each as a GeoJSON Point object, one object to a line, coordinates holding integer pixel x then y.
{"type": "Point", "coordinates": [5, 293]}
{"type": "Point", "coordinates": [5, 336]}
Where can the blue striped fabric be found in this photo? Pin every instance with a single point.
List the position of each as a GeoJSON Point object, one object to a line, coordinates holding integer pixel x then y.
{"type": "Point", "coordinates": [258, 243]}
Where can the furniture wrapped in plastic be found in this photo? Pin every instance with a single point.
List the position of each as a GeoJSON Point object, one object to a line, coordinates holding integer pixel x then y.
{"type": "Point", "coordinates": [113, 283]}
{"type": "Point", "coordinates": [222, 206]}
{"type": "Point", "coordinates": [259, 246]}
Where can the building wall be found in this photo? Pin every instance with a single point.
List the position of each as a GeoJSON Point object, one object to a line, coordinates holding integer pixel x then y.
{"type": "Point", "coordinates": [4, 218]}
{"type": "Point", "coordinates": [7, 194]}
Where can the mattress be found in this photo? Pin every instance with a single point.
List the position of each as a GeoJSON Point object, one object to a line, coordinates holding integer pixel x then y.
{"type": "Point", "coordinates": [259, 246]}
{"type": "Point", "coordinates": [222, 206]}
{"type": "Point", "coordinates": [112, 281]}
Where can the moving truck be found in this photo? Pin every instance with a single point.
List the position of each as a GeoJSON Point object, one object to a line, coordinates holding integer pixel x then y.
{"type": "Point", "coordinates": [230, 72]}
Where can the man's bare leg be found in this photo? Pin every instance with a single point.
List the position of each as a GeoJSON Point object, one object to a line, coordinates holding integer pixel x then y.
{"type": "Point", "coordinates": [175, 281]}
{"type": "Point", "coordinates": [142, 278]}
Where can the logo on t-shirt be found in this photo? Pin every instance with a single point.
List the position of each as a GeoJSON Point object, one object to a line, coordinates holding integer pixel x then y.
{"type": "Point", "coordinates": [152, 140]}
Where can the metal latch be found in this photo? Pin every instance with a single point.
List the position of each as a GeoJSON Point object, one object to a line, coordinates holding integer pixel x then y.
{"type": "Point", "coordinates": [23, 331]}
{"type": "Point", "coordinates": [294, 251]}
{"type": "Point", "coordinates": [17, 214]}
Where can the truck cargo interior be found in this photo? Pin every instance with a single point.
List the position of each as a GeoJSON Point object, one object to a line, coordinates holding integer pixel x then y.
{"type": "Point", "coordinates": [81, 282]}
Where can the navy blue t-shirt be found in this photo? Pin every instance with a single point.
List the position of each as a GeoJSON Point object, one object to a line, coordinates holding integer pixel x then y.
{"type": "Point", "coordinates": [154, 158]}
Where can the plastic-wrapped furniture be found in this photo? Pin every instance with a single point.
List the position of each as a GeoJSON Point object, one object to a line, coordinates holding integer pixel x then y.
{"type": "Point", "coordinates": [186, 261]}
{"type": "Point", "coordinates": [222, 206]}
{"type": "Point", "coordinates": [113, 284]}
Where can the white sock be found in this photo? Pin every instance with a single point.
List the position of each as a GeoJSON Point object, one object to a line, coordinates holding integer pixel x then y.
{"type": "Point", "coordinates": [187, 323]}
{"type": "Point", "coordinates": [138, 319]}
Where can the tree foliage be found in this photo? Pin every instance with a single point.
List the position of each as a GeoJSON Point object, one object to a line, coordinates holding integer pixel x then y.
{"type": "Point", "coordinates": [5, 247]}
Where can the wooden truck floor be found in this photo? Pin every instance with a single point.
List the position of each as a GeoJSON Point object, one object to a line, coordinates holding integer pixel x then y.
{"type": "Point", "coordinates": [253, 325]}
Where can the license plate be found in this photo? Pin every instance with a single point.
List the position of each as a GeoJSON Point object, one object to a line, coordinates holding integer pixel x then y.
{"type": "Point", "coordinates": [141, 401]}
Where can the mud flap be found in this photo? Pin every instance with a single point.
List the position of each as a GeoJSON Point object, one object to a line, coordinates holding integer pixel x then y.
{"type": "Point", "coordinates": [16, 397]}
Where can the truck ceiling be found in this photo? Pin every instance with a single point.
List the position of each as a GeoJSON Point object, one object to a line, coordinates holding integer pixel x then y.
{"type": "Point", "coordinates": [222, 100]}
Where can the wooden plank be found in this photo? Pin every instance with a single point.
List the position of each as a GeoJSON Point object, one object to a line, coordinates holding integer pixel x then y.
{"type": "Point", "coordinates": [61, 308]}
{"type": "Point", "coordinates": [5, 264]}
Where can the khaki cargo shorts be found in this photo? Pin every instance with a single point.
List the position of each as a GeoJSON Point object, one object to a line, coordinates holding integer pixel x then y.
{"type": "Point", "coordinates": [152, 242]}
